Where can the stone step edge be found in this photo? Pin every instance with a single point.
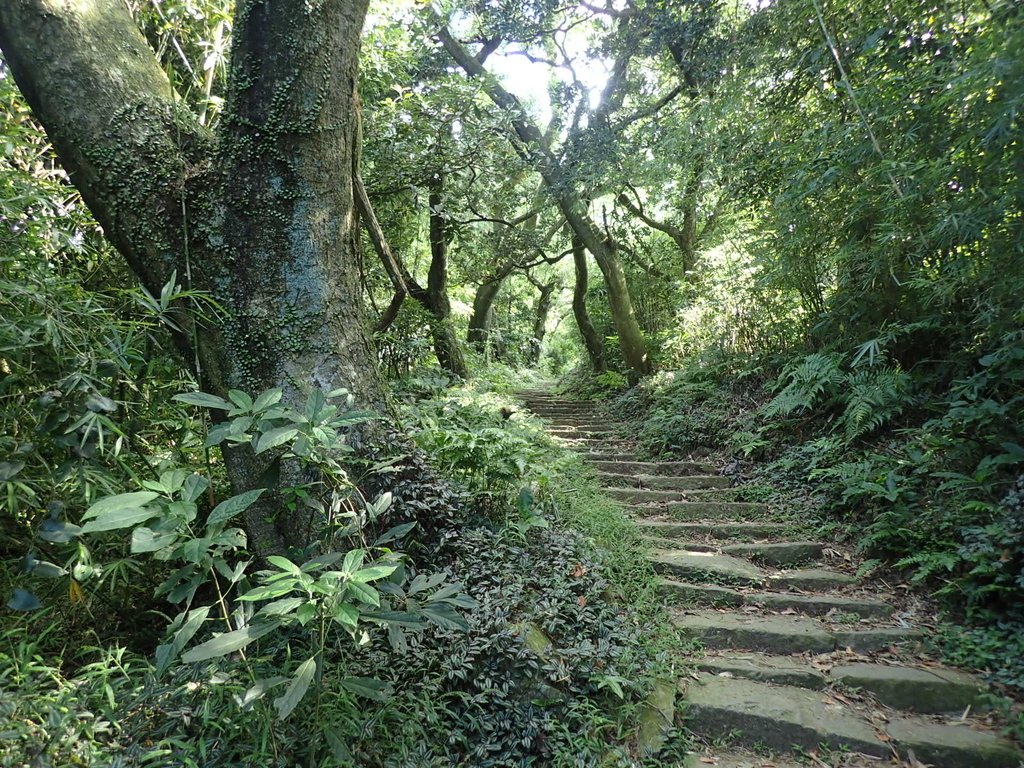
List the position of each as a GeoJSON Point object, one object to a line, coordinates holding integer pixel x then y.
{"type": "Point", "coordinates": [723, 596]}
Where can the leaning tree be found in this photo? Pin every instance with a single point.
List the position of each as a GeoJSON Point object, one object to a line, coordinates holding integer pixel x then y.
{"type": "Point", "coordinates": [260, 214]}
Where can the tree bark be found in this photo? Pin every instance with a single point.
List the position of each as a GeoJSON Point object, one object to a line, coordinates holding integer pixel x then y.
{"type": "Point", "coordinates": [481, 321]}
{"type": "Point", "coordinates": [261, 216]}
{"type": "Point", "coordinates": [591, 338]}
{"type": "Point", "coordinates": [540, 318]}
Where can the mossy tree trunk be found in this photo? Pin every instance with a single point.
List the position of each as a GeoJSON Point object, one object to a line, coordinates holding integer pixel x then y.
{"type": "Point", "coordinates": [591, 338]}
{"type": "Point", "coordinates": [481, 321]}
{"type": "Point", "coordinates": [260, 215]}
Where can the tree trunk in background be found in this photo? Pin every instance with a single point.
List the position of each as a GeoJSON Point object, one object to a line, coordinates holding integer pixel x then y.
{"type": "Point", "coordinates": [446, 343]}
{"type": "Point", "coordinates": [260, 216]}
{"type": "Point", "coordinates": [540, 320]}
{"type": "Point", "coordinates": [591, 338]}
{"type": "Point", "coordinates": [559, 184]}
{"type": "Point", "coordinates": [481, 322]}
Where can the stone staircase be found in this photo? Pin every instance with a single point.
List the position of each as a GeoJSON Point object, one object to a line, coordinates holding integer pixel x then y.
{"type": "Point", "coordinates": [799, 656]}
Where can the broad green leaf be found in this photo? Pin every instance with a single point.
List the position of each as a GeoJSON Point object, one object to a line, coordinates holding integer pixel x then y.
{"type": "Point", "coordinates": [269, 591]}
{"type": "Point", "coordinates": [23, 600]}
{"type": "Point", "coordinates": [120, 501]}
{"type": "Point", "coordinates": [353, 560]}
{"type": "Point", "coordinates": [240, 398]}
{"type": "Point", "coordinates": [229, 642]}
{"type": "Point", "coordinates": [373, 573]}
{"type": "Point", "coordinates": [258, 691]}
{"type": "Point", "coordinates": [48, 570]}
{"type": "Point", "coordinates": [229, 508]}
{"type": "Point", "coordinates": [282, 607]}
{"type": "Point", "coordinates": [203, 400]}
{"type": "Point", "coordinates": [346, 615]}
{"type": "Point", "coordinates": [119, 518]}
{"type": "Point", "coordinates": [147, 540]}
{"type": "Point", "coordinates": [193, 487]}
{"type": "Point", "coordinates": [286, 703]}
{"type": "Point", "coordinates": [9, 469]}
{"type": "Point", "coordinates": [192, 624]}
{"type": "Point", "coordinates": [266, 399]}
{"type": "Point", "coordinates": [275, 437]}
{"type": "Point", "coordinates": [395, 533]}
{"type": "Point", "coordinates": [284, 564]}
{"type": "Point", "coordinates": [364, 593]}
{"type": "Point", "coordinates": [366, 687]}
{"type": "Point", "coordinates": [444, 616]}
{"type": "Point", "coordinates": [321, 561]}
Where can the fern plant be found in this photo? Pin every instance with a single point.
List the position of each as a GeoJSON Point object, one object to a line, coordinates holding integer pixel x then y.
{"type": "Point", "coordinates": [812, 377]}
{"type": "Point", "coordinates": [874, 397]}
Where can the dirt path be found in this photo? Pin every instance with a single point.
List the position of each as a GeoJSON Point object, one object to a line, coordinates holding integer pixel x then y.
{"type": "Point", "coordinates": [803, 664]}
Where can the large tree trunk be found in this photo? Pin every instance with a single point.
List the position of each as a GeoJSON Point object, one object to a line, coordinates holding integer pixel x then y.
{"type": "Point", "coordinates": [262, 218]}
{"type": "Point", "coordinates": [446, 343]}
{"type": "Point", "coordinates": [591, 338]}
{"type": "Point", "coordinates": [481, 321]}
{"type": "Point", "coordinates": [540, 319]}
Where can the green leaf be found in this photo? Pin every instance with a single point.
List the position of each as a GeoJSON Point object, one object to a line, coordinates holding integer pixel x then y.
{"type": "Point", "coordinates": [241, 399]}
{"type": "Point", "coordinates": [9, 469]}
{"type": "Point", "coordinates": [193, 487]}
{"type": "Point", "coordinates": [119, 518]}
{"type": "Point", "coordinates": [346, 615]}
{"type": "Point", "coordinates": [266, 399]}
{"type": "Point", "coordinates": [203, 400]}
{"type": "Point", "coordinates": [282, 607]}
{"type": "Point", "coordinates": [364, 593]}
{"type": "Point", "coordinates": [394, 533]}
{"type": "Point", "coordinates": [120, 501]}
{"type": "Point", "coordinates": [23, 600]}
{"type": "Point", "coordinates": [284, 564]}
{"type": "Point", "coordinates": [444, 616]}
{"type": "Point", "coordinates": [147, 540]}
{"type": "Point", "coordinates": [373, 573]}
{"type": "Point", "coordinates": [270, 591]}
{"type": "Point", "coordinates": [275, 437]}
{"type": "Point", "coordinates": [366, 687]}
{"type": "Point", "coordinates": [229, 508]}
{"type": "Point", "coordinates": [258, 691]}
{"type": "Point", "coordinates": [321, 561]}
{"type": "Point", "coordinates": [353, 559]}
{"type": "Point", "coordinates": [229, 642]}
{"type": "Point", "coordinates": [300, 684]}
{"type": "Point", "coordinates": [192, 624]}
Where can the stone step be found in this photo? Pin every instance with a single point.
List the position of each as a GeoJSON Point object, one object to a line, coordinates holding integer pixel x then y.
{"type": "Point", "coordinates": [717, 758]}
{"type": "Point", "coordinates": [776, 634]}
{"type": "Point", "coordinates": [806, 605]}
{"type": "Point", "coordinates": [690, 511]}
{"type": "Point", "coordinates": [785, 717]}
{"type": "Point", "coordinates": [780, 554]}
{"type": "Point", "coordinates": [811, 579]}
{"type": "Point", "coordinates": [763, 668]}
{"type": "Point", "coordinates": [707, 565]}
{"type": "Point", "coordinates": [924, 690]}
{"type": "Point", "coordinates": [668, 529]}
{"type": "Point", "coordinates": [625, 463]}
{"type": "Point", "coordinates": [917, 689]}
{"type": "Point", "coordinates": [665, 482]}
{"type": "Point", "coordinates": [578, 434]}
{"type": "Point", "coordinates": [648, 495]}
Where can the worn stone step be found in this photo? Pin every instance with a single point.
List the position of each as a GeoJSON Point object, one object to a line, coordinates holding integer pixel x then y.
{"type": "Point", "coordinates": [625, 463]}
{"type": "Point", "coordinates": [806, 605]}
{"type": "Point", "coordinates": [665, 482]}
{"type": "Point", "coordinates": [712, 530]}
{"type": "Point", "coordinates": [778, 554]}
{"type": "Point", "coordinates": [733, 758]}
{"type": "Point", "coordinates": [776, 634]}
{"type": "Point", "coordinates": [707, 565]}
{"type": "Point", "coordinates": [580, 434]}
{"type": "Point", "coordinates": [764, 668]}
{"type": "Point", "coordinates": [767, 634]}
{"type": "Point", "coordinates": [689, 511]}
{"type": "Point", "coordinates": [916, 689]}
{"type": "Point", "coordinates": [646, 495]}
{"type": "Point", "coordinates": [784, 717]}
{"type": "Point", "coordinates": [811, 579]}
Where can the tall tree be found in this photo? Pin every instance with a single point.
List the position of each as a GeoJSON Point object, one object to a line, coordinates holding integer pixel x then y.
{"type": "Point", "coordinates": [260, 214]}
